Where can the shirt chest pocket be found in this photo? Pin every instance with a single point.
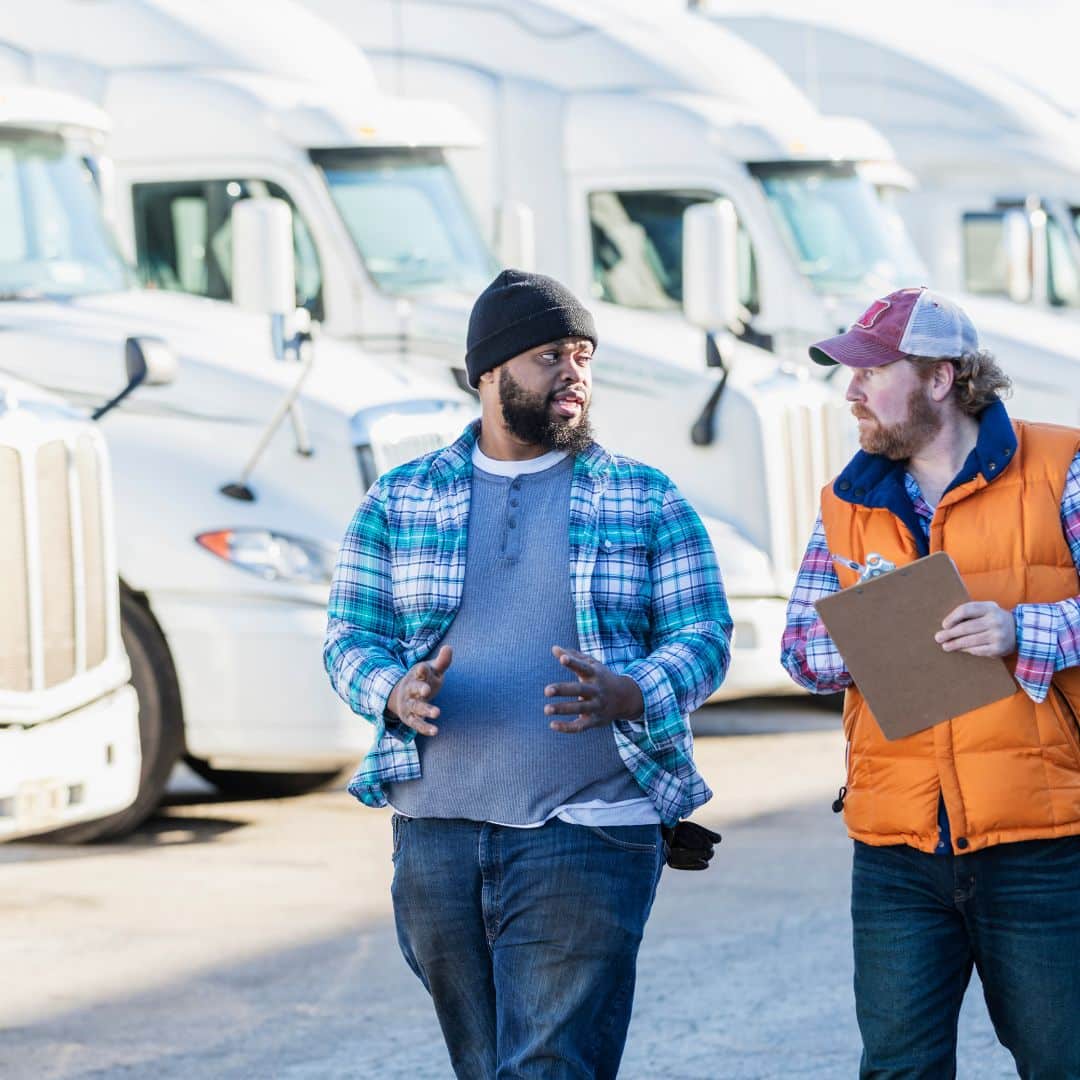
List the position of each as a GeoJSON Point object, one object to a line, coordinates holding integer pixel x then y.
{"type": "Point", "coordinates": [622, 582]}
{"type": "Point", "coordinates": [421, 588]}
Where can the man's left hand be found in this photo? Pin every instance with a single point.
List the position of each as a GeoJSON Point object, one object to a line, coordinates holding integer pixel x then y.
{"type": "Point", "coordinates": [978, 627]}
{"type": "Point", "coordinates": [599, 696]}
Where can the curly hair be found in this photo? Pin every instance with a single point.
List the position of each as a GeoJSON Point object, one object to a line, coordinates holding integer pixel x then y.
{"type": "Point", "coordinates": [979, 380]}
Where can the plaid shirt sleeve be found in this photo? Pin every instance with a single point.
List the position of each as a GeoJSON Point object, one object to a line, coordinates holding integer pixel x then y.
{"type": "Point", "coordinates": [359, 651]}
{"type": "Point", "coordinates": [690, 630]}
{"type": "Point", "coordinates": [1048, 635]}
{"type": "Point", "coordinates": [807, 651]}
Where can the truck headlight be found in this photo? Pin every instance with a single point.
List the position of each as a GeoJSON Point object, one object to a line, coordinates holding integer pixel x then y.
{"type": "Point", "coordinates": [273, 556]}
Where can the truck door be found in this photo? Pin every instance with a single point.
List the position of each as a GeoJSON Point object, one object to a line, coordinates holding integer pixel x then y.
{"type": "Point", "coordinates": [183, 238]}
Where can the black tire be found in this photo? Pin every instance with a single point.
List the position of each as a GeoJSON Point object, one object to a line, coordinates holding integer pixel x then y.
{"type": "Point", "coordinates": [161, 724]}
{"type": "Point", "coordinates": [238, 784]}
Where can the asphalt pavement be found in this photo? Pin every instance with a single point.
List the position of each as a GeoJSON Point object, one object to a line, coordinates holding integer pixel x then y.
{"type": "Point", "coordinates": [255, 939]}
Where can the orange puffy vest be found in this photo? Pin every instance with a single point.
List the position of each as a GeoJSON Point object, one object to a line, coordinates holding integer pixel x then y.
{"type": "Point", "coordinates": [1008, 771]}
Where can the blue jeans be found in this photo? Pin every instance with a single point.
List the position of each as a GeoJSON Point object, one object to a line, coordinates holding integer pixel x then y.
{"type": "Point", "coordinates": [526, 939]}
{"type": "Point", "coordinates": [921, 922]}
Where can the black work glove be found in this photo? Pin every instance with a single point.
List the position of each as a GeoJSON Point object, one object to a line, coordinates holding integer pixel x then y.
{"type": "Point", "coordinates": [689, 846]}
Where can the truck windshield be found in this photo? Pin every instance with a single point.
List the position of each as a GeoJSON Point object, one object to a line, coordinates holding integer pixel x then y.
{"type": "Point", "coordinates": [407, 217]}
{"type": "Point", "coordinates": [844, 238]}
{"type": "Point", "coordinates": [53, 240]}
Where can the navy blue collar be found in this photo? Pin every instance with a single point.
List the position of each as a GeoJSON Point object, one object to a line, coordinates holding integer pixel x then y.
{"type": "Point", "coordinates": [875, 481]}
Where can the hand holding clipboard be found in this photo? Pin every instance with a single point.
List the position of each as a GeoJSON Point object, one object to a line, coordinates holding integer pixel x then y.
{"type": "Point", "coordinates": [884, 629]}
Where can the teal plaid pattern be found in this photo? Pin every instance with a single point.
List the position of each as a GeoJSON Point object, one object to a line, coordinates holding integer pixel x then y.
{"type": "Point", "coordinates": [647, 594]}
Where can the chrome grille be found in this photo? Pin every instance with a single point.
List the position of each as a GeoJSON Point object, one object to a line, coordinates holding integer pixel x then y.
{"type": "Point", "coordinates": [57, 575]}
{"type": "Point", "coordinates": [389, 453]}
{"type": "Point", "coordinates": [15, 668]}
{"type": "Point", "coordinates": [53, 572]}
{"type": "Point", "coordinates": [817, 441]}
{"type": "Point", "coordinates": [97, 585]}
{"type": "Point", "coordinates": [388, 436]}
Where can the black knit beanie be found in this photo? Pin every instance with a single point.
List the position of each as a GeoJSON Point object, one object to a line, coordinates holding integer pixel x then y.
{"type": "Point", "coordinates": [519, 311]}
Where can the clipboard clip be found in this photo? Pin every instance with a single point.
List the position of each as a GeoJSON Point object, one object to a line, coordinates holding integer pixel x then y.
{"type": "Point", "coordinates": [875, 566]}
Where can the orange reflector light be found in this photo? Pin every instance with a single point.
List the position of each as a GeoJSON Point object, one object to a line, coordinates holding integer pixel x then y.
{"type": "Point", "coordinates": [218, 542]}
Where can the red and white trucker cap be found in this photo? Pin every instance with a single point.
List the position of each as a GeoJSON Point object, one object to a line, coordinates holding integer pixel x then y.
{"type": "Point", "coordinates": [908, 322]}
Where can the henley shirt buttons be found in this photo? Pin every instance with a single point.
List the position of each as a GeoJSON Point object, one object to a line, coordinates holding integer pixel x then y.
{"type": "Point", "coordinates": [844, 485]}
{"type": "Point", "coordinates": [961, 842]}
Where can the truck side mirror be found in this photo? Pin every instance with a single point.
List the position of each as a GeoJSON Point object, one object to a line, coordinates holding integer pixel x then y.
{"type": "Point", "coordinates": [515, 236]}
{"type": "Point", "coordinates": [710, 265]}
{"type": "Point", "coordinates": [148, 361]}
{"type": "Point", "coordinates": [263, 260]}
{"type": "Point", "coordinates": [1016, 236]}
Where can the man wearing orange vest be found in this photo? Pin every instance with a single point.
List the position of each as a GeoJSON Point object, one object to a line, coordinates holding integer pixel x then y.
{"type": "Point", "coordinates": [967, 834]}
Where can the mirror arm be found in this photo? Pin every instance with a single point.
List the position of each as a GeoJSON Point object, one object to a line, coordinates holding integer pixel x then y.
{"type": "Point", "coordinates": [294, 347]}
{"type": "Point", "coordinates": [300, 432]}
{"type": "Point", "coordinates": [239, 489]}
{"type": "Point", "coordinates": [703, 431]}
{"type": "Point", "coordinates": [111, 404]}
{"type": "Point", "coordinates": [756, 337]}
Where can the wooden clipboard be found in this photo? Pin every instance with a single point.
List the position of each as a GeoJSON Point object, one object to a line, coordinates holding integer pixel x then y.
{"type": "Point", "coordinates": [884, 629]}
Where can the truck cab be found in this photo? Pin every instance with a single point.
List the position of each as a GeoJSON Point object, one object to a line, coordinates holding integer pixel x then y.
{"type": "Point", "coordinates": [233, 485]}
{"type": "Point", "coordinates": [994, 202]}
{"type": "Point", "coordinates": [390, 257]}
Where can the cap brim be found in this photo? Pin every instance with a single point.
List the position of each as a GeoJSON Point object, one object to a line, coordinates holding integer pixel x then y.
{"type": "Point", "coordinates": [853, 349]}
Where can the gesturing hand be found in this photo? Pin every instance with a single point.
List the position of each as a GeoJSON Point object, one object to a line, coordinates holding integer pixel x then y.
{"type": "Point", "coordinates": [978, 627]}
{"type": "Point", "coordinates": [599, 696]}
{"type": "Point", "coordinates": [410, 700]}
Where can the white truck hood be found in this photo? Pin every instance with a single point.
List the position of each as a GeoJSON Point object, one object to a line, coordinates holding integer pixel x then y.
{"type": "Point", "coordinates": [214, 337]}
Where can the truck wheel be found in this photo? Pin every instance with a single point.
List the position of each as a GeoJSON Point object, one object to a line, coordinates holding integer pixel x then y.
{"type": "Point", "coordinates": [161, 726]}
{"type": "Point", "coordinates": [261, 785]}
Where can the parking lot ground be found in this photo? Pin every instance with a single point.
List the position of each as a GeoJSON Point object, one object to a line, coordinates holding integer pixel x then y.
{"type": "Point", "coordinates": [243, 939]}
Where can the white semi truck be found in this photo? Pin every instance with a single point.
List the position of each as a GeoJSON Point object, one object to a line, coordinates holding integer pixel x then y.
{"type": "Point", "coordinates": [615, 135]}
{"type": "Point", "coordinates": [70, 751]}
{"type": "Point", "coordinates": [995, 209]}
{"type": "Point", "coordinates": [610, 121]}
{"type": "Point", "coordinates": [617, 129]}
{"type": "Point", "coordinates": [233, 485]}
{"type": "Point", "coordinates": [207, 112]}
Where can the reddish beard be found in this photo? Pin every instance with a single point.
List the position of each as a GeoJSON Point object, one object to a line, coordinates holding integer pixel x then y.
{"type": "Point", "coordinates": [906, 437]}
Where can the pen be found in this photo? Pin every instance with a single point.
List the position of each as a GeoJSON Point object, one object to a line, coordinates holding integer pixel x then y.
{"type": "Point", "coordinates": [875, 565]}
{"type": "Point", "coordinates": [851, 564]}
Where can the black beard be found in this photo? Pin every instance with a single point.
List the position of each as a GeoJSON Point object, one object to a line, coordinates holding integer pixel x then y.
{"type": "Point", "coordinates": [529, 418]}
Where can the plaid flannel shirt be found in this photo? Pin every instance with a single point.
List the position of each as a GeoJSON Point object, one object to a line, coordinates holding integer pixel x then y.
{"type": "Point", "coordinates": [648, 599]}
{"type": "Point", "coordinates": [1047, 635]}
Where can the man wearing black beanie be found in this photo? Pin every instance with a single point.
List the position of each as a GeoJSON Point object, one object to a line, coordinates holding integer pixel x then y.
{"type": "Point", "coordinates": [528, 620]}
{"type": "Point", "coordinates": [543, 406]}
{"type": "Point", "coordinates": [518, 311]}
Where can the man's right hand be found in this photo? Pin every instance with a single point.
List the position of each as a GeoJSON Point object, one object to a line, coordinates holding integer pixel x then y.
{"type": "Point", "coordinates": [410, 701]}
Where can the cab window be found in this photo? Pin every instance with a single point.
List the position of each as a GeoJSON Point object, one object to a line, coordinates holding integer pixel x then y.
{"type": "Point", "coordinates": [183, 238]}
{"type": "Point", "coordinates": [637, 242]}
